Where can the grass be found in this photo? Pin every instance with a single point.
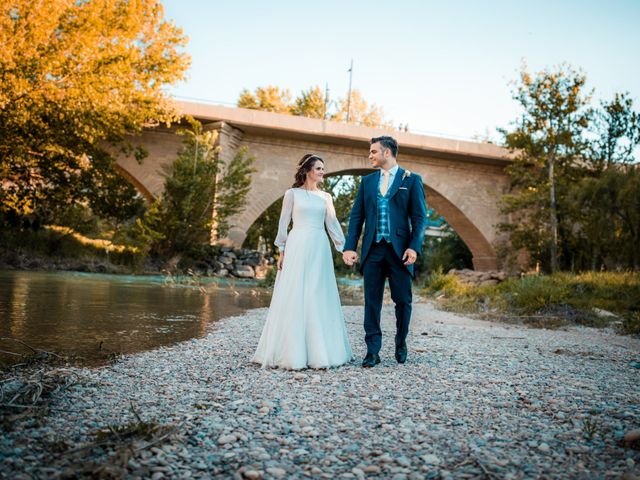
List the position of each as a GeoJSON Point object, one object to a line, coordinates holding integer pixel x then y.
{"type": "Point", "coordinates": [595, 299]}
{"type": "Point", "coordinates": [57, 242]}
{"type": "Point", "coordinates": [94, 243]}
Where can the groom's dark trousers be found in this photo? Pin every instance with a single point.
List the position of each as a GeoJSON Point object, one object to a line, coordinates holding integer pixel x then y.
{"type": "Point", "coordinates": [383, 262]}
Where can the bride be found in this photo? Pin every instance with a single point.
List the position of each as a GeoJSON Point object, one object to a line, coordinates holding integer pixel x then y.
{"type": "Point", "coordinates": [305, 326]}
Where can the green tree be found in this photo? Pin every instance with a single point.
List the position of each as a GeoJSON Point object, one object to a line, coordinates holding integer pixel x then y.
{"type": "Point", "coordinates": [606, 203]}
{"type": "Point", "coordinates": [231, 190]}
{"type": "Point", "coordinates": [186, 204]}
{"type": "Point", "coordinates": [617, 128]}
{"type": "Point", "coordinates": [76, 77]}
{"type": "Point", "coordinates": [608, 219]}
{"type": "Point", "coordinates": [108, 196]}
{"type": "Point", "coordinates": [550, 150]}
{"type": "Point", "coordinates": [199, 190]}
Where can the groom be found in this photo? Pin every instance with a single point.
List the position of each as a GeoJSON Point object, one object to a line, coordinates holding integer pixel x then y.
{"type": "Point", "coordinates": [390, 203]}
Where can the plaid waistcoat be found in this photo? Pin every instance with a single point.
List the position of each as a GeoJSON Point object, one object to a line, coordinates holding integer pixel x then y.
{"type": "Point", "coordinates": [382, 225]}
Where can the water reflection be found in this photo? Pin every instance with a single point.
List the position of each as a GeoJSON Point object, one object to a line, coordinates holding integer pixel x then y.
{"type": "Point", "coordinates": [92, 314]}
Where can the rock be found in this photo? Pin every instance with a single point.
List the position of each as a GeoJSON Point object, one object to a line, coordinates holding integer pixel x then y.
{"type": "Point", "coordinates": [474, 278]}
{"type": "Point", "coordinates": [431, 459]}
{"type": "Point", "coordinates": [602, 313]}
{"type": "Point", "coordinates": [252, 261]}
{"type": "Point", "coordinates": [244, 271]}
{"type": "Point", "coordinates": [252, 474]}
{"type": "Point", "coordinates": [224, 439]}
{"type": "Point", "coordinates": [226, 260]}
{"type": "Point", "coordinates": [632, 435]}
{"type": "Point", "coordinates": [628, 476]}
{"type": "Point", "coordinates": [502, 276]}
{"type": "Point", "coordinates": [276, 472]}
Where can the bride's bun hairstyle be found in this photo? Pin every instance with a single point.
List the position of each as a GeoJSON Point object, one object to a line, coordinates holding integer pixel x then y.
{"type": "Point", "coordinates": [304, 166]}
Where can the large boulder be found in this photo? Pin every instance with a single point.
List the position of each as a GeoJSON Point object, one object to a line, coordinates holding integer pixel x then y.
{"type": "Point", "coordinates": [226, 259]}
{"type": "Point", "coordinates": [244, 271]}
{"type": "Point", "coordinates": [471, 277]}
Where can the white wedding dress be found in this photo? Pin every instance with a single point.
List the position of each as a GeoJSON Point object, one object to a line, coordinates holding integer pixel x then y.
{"type": "Point", "coordinates": [305, 326]}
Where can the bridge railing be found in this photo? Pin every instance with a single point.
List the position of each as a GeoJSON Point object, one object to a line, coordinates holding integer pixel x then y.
{"type": "Point", "coordinates": [430, 133]}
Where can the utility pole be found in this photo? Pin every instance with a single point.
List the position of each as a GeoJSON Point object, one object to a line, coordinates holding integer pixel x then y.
{"type": "Point", "coordinates": [349, 97]}
{"type": "Point", "coordinates": [326, 101]}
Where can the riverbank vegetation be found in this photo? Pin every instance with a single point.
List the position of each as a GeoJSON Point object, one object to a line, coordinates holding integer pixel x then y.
{"type": "Point", "coordinates": [174, 229]}
{"type": "Point", "coordinates": [596, 299]}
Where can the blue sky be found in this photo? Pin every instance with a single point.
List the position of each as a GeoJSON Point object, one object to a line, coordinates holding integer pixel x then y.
{"type": "Point", "coordinates": [442, 67]}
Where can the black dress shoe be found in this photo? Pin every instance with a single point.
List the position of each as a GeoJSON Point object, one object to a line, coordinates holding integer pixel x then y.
{"type": "Point", "coordinates": [401, 353]}
{"type": "Point", "coordinates": [371, 360]}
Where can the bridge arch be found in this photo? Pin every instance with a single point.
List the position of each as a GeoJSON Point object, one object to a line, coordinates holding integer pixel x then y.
{"type": "Point", "coordinates": [133, 180]}
{"type": "Point", "coordinates": [484, 256]}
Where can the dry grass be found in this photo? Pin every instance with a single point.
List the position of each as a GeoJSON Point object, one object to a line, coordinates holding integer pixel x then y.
{"type": "Point", "coordinates": [596, 299]}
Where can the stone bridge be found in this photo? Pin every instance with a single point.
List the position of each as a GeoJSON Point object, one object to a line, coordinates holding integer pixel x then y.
{"type": "Point", "coordinates": [463, 180]}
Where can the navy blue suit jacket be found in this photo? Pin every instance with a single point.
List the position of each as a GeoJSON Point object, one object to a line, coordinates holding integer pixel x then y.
{"type": "Point", "coordinates": [407, 214]}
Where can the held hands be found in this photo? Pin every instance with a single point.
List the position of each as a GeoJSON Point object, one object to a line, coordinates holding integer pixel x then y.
{"type": "Point", "coordinates": [349, 257]}
{"type": "Point", "coordinates": [410, 256]}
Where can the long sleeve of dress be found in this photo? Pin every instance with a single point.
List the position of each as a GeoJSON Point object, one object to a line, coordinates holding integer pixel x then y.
{"type": "Point", "coordinates": [285, 219]}
{"type": "Point", "coordinates": [333, 225]}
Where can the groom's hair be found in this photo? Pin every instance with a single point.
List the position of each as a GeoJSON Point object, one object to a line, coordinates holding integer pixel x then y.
{"type": "Point", "coordinates": [387, 143]}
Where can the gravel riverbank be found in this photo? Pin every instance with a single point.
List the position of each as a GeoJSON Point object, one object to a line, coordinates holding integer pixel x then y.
{"type": "Point", "coordinates": [475, 400]}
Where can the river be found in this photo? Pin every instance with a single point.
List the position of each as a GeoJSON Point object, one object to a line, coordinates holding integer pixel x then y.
{"type": "Point", "coordinates": [96, 316]}
{"type": "Point", "coordinates": [93, 318]}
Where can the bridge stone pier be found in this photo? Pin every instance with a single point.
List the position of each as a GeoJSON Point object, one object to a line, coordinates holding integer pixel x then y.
{"type": "Point", "coordinates": [463, 180]}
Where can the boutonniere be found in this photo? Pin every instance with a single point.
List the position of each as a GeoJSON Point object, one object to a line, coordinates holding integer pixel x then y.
{"type": "Point", "coordinates": [406, 174]}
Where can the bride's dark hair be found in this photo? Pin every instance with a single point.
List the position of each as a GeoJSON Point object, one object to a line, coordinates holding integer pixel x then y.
{"type": "Point", "coordinates": [305, 165]}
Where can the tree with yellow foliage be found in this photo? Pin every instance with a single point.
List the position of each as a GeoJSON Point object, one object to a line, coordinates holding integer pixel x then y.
{"type": "Point", "coordinates": [76, 77]}
{"type": "Point", "coordinates": [269, 99]}
{"type": "Point", "coordinates": [313, 103]}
